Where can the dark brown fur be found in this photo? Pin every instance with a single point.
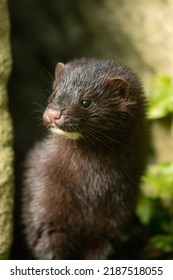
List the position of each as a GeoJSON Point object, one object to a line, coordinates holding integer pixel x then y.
{"type": "Point", "coordinates": [79, 194]}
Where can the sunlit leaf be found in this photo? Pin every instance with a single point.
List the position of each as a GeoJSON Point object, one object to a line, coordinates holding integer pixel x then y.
{"type": "Point", "coordinates": [159, 181]}
{"type": "Point", "coordinates": [144, 209]}
{"type": "Point", "coordinates": [161, 98]}
{"type": "Point", "coordinates": [162, 242]}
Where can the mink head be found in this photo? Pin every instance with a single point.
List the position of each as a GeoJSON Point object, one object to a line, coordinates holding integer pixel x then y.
{"type": "Point", "coordinates": [93, 99]}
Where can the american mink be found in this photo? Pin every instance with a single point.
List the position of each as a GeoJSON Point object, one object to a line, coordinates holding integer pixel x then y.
{"type": "Point", "coordinates": [81, 181]}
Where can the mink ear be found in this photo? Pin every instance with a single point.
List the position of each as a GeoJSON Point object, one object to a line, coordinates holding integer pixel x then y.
{"type": "Point", "coordinates": [59, 69]}
{"type": "Point", "coordinates": [119, 85]}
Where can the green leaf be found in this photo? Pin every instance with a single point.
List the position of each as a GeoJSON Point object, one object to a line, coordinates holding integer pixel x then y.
{"type": "Point", "coordinates": [158, 181]}
{"type": "Point", "coordinates": [162, 242]}
{"type": "Point", "coordinates": [161, 98]}
{"type": "Point", "coordinates": [145, 209]}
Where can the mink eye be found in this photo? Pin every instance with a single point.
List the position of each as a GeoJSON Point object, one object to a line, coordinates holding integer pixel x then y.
{"type": "Point", "coordinates": [85, 103]}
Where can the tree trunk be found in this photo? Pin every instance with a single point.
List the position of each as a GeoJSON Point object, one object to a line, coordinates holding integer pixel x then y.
{"type": "Point", "coordinates": [6, 137]}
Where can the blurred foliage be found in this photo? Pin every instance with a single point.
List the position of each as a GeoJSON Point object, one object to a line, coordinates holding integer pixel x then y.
{"type": "Point", "coordinates": [163, 242]}
{"type": "Point", "coordinates": [156, 200]}
{"type": "Point", "coordinates": [159, 181]}
{"type": "Point", "coordinates": [161, 98]}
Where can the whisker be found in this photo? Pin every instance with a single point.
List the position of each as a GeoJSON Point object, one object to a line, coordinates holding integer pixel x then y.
{"type": "Point", "coordinates": [100, 136]}
{"type": "Point", "coordinates": [47, 72]}
{"type": "Point", "coordinates": [38, 104]}
{"type": "Point", "coordinates": [88, 138]}
{"type": "Point", "coordinates": [95, 135]}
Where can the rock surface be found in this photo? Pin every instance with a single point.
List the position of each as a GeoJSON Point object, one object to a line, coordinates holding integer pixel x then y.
{"type": "Point", "coordinates": [6, 136]}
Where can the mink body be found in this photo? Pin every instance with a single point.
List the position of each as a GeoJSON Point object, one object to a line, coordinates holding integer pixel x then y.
{"type": "Point", "coordinates": [81, 181]}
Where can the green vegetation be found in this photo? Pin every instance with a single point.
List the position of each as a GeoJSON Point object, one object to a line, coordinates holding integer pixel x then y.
{"type": "Point", "coordinates": [161, 98]}
{"type": "Point", "coordinates": [155, 206]}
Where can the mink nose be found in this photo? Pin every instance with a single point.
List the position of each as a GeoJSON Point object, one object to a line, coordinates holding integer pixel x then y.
{"type": "Point", "coordinates": [51, 115]}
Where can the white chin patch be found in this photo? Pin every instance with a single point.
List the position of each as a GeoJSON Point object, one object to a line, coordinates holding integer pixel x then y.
{"type": "Point", "coordinates": [69, 135]}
